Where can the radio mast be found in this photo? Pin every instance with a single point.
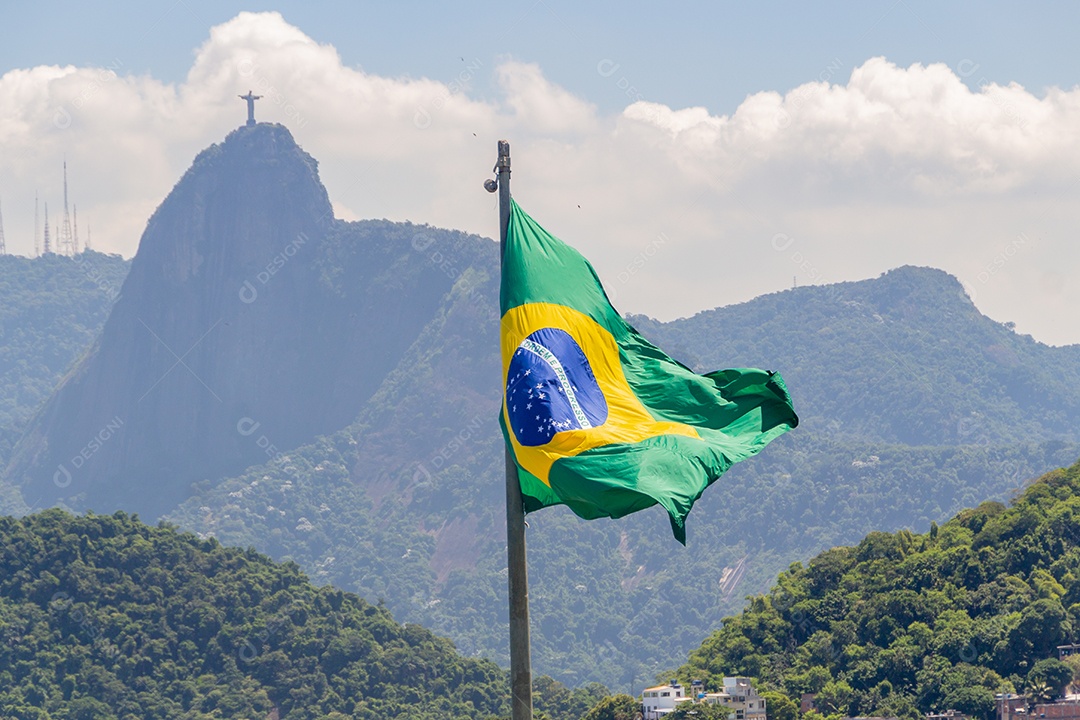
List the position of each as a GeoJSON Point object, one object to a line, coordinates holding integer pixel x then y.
{"type": "Point", "coordinates": [65, 241]}
{"type": "Point", "coordinates": [48, 243]}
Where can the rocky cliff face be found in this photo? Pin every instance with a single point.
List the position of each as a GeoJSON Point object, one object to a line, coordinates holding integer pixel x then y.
{"type": "Point", "coordinates": [234, 339]}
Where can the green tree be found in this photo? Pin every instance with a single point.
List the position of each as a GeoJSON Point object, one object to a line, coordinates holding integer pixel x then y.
{"type": "Point", "coordinates": [615, 707]}
{"type": "Point", "coordinates": [835, 697]}
{"type": "Point", "coordinates": [1073, 661]}
{"type": "Point", "coordinates": [975, 701]}
{"type": "Point", "coordinates": [88, 708]}
{"type": "Point", "coordinates": [816, 715]}
{"type": "Point", "coordinates": [698, 711]}
{"type": "Point", "coordinates": [1042, 627]}
{"type": "Point", "coordinates": [779, 706]}
{"type": "Point", "coordinates": [1051, 673]}
{"type": "Point", "coordinates": [1038, 691]}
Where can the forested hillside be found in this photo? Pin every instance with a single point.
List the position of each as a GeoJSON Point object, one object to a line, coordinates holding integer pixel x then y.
{"type": "Point", "coordinates": [904, 623]}
{"type": "Point", "coordinates": [104, 617]}
{"type": "Point", "coordinates": [407, 503]}
{"type": "Point", "coordinates": [51, 310]}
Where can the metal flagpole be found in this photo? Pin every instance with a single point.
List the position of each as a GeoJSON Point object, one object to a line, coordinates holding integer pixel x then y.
{"type": "Point", "coordinates": [518, 579]}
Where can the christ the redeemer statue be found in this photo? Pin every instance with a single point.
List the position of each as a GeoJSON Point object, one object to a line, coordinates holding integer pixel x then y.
{"type": "Point", "coordinates": [251, 105]}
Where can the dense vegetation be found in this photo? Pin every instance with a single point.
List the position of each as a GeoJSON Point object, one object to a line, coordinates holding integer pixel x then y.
{"type": "Point", "coordinates": [105, 618]}
{"type": "Point", "coordinates": [904, 623]}
{"type": "Point", "coordinates": [51, 309]}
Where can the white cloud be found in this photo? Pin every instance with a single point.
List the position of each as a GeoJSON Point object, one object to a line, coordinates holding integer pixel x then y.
{"type": "Point", "coordinates": [864, 169]}
{"type": "Point", "coordinates": [541, 106]}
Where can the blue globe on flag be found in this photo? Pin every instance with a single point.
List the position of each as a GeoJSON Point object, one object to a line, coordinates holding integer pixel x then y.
{"type": "Point", "coordinates": [550, 388]}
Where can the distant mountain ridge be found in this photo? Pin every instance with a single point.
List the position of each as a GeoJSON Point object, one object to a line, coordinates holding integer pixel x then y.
{"type": "Point", "coordinates": [352, 398]}
{"type": "Point", "coordinates": [234, 337]}
{"type": "Point", "coordinates": [976, 382]}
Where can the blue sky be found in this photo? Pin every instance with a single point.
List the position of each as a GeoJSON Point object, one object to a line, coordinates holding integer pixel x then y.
{"type": "Point", "coordinates": [680, 54]}
{"type": "Point", "coordinates": [700, 154]}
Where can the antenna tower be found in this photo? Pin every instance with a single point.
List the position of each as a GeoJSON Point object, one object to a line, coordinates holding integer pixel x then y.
{"type": "Point", "coordinates": [3, 245]}
{"type": "Point", "coordinates": [88, 246]}
{"type": "Point", "coordinates": [65, 241]}
{"type": "Point", "coordinates": [48, 244]}
{"type": "Point", "coordinates": [75, 227]}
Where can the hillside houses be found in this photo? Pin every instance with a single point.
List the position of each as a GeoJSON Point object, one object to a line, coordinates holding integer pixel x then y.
{"type": "Point", "coordinates": [1019, 707]}
{"type": "Point", "coordinates": [737, 695]}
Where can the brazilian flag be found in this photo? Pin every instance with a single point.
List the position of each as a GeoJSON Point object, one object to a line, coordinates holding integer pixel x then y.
{"type": "Point", "coordinates": [599, 419]}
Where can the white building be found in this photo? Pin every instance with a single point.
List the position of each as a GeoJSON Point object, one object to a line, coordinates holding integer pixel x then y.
{"type": "Point", "coordinates": [658, 701]}
{"type": "Point", "coordinates": [740, 698]}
